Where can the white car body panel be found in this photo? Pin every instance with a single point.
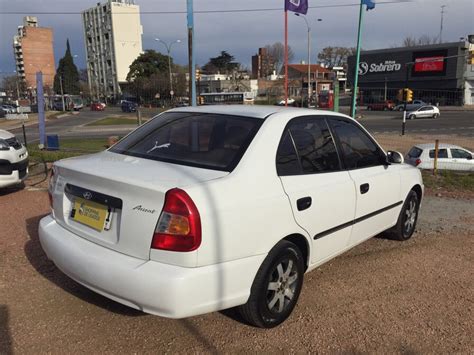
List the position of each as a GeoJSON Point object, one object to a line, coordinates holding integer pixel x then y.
{"type": "Point", "coordinates": [244, 214]}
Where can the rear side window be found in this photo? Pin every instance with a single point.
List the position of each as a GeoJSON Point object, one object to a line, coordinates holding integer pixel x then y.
{"type": "Point", "coordinates": [203, 140]}
{"type": "Point", "coordinates": [358, 148]}
{"type": "Point", "coordinates": [415, 152]}
{"type": "Point", "coordinates": [442, 153]}
{"type": "Point", "coordinates": [307, 147]}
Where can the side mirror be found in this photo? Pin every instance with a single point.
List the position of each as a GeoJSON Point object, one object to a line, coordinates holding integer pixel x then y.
{"type": "Point", "coordinates": [394, 157]}
{"type": "Point", "coordinates": [469, 157]}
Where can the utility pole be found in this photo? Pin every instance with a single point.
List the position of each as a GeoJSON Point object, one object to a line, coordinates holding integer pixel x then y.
{"type": "Point", "coordinates": [40, 102]}
{"type": "Point", "coordinates": [192, 63]}
{"type": "Point", "coordinates": [441, 25]}
{"type": "Point", "coordinates": [62, 92]}
{"type": "Point", "coordinates": [168, 49]}
{"type": "Point", "coordinates": [385, 91]}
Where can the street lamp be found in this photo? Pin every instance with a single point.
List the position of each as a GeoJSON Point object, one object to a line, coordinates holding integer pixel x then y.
{"type": "Point", "coordinates": [310, 86]}
{"type": "Point", "coordinates": [168, 49]}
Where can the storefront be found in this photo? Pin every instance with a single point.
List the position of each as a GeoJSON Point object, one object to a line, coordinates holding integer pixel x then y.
{"type": "Point", "coordinates": [436, 73]}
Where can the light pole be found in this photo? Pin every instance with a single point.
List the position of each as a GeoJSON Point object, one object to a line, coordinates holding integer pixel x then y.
{"type": "Point", "coordinates": [309, 54]}
{"type": "Point", "coordinates": [168, 49]}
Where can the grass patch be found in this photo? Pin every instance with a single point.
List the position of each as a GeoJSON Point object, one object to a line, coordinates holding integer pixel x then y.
{"type": "Point", "coordinates": [449, 180]}
{"type": "Point", "coordinates": [112, 121]}
{"type": "Point", "coordinates": [69, 147]}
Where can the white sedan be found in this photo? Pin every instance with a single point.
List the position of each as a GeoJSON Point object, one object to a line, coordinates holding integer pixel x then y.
{"type": "Point", "coordinates": [212, 207]}
{"type": "Point", "coordinates": [13, 160]}
{"type": "Point", "coordinates": [424, 112]}
{"type": "Point", "coordinates": [450, 157]}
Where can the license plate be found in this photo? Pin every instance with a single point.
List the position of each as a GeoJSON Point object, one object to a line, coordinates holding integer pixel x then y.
{"type": "Point", "coordinates": [90, 213]}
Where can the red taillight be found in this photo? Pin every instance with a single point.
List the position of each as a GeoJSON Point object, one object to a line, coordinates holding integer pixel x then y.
{"type": "Point", "coordinates": [179, 225]}
{"type": "Point", "coordinates": [417, 162]}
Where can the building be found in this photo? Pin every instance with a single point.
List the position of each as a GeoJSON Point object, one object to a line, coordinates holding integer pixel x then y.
{"type": "Point", "coordinates": [33, 49]}
{"type": "Point", "coordinates": [436, 73]}
{"type": "Point", "coordinates": [113, 40]}
{"type": "Point", "coordinates": [321, 79]}
{"type": "Point", "coordinates": [262, 64]}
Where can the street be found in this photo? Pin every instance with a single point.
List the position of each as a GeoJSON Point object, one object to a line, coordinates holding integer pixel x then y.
{"type": "Point", "coordinates": [452, 122]}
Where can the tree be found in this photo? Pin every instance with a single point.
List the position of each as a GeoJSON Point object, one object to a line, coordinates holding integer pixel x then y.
{"type": "Point", "coordinates": [335, 56]}
{"type": "Point", "coordinates": [13, 85]}
{"type": "Point", "coordinates": [223, 63]}
{"type": "Point", "coordinates": [276, 56]}
{"type": "Point", "coordinates": [148, 64]}
{"type": "Point", "coordinates": [423, 40]}
{"type": "Point", "coordinates": [67, 74]}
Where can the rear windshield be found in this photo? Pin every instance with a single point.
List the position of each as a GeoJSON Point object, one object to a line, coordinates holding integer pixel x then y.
{"type": "Point", "coordinates": [204, 140]}
{"type": "Point", "coordinates": [415, 152]}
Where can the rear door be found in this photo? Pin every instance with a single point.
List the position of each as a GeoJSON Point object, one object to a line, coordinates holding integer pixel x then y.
{"type": "Point", "coordinates": [377, 183]}
{"type": "Point", "coordinates": [322, 195]}
{"type": "Point", "coordinates": [444, 161]}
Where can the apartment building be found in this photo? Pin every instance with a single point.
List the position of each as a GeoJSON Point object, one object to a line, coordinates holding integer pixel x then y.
{"type": "Point", "coordinates": [113, 40]}
{"type": "Point", "coordinates": [33, 50]}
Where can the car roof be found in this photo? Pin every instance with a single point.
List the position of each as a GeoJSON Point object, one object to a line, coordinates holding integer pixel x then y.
{"type": "Point", "coordinates": [440, 146]}
{"type": "Point", "coordinates": [253, 111]}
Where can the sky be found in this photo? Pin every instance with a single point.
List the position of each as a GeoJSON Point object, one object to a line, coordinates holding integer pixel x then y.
{"type": "Point", "coordinates": [242, 33]}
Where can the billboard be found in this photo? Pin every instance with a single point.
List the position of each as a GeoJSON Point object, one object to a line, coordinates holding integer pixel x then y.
{"type": "Point", "coordinates": [429, 63]}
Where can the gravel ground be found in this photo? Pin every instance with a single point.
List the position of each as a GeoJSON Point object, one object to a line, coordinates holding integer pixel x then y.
{"type": "Point", "coordinates": [381, 297]}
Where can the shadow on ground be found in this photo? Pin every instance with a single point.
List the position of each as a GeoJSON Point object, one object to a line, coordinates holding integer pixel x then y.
{"type": "Point", "coordinates": [6, 342]}
{"type": "Point", "coordinates": [48, 270]}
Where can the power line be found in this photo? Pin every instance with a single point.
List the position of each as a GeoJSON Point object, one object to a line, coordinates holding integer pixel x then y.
{"type": "Point", "coordinates": [202, 11]}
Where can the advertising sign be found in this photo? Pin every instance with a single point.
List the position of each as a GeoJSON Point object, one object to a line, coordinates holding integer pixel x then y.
{"type": "Point", "coordinates": [429, 64]}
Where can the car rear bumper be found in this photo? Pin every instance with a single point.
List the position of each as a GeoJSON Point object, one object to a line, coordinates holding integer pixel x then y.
{"type": "Point", "coordinates": [153, 287]}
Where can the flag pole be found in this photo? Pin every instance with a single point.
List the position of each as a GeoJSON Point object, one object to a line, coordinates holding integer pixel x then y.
{"type": "Point", "coordinates": [286, 57]}
{"type": "Point", "coordinates": [356, 70]}
{"type": "Point", "coordinates": [191, 58]}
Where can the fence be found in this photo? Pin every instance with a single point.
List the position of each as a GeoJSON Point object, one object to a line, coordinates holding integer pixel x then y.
{"type": "Point", "coordinates": [433, 97]}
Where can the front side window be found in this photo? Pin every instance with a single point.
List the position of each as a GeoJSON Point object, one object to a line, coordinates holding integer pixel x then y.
{"type": "Point", "coordinates": [442, 153]}
{"type": "Point", "coordinates": [358, 149]}
{"type": "Point", "coordinates": [205, 140]}
{"type": "Point", "coordinates": [307, 147]}
{"type": "Point", "coordinates": [460, 154]}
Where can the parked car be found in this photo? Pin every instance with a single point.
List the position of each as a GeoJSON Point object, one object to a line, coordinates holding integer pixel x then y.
{"type": "Point", "coordinates": [381, 106]}
{"type": "Point", "coordinates": [415, 104]}
{"type": "Point", "coordinates": [291, 102]}
{"type": "Point", "coordinates": [13, 160]}
{"type": "Point", "coordinates": [211, 207]}
{"type": "Point", "coordinates": [424, 112]}
{"type": "Point", "coordinates": [8, 108]}
{"type": "Point", "coordinates": [129, 106]}
{"type": "Point", "coordinates": [97, 106]}
{"type": "Point", "coordinates": [450, 157]}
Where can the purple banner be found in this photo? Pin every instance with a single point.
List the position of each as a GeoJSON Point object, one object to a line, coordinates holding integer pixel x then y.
{"type": "Point", "coordinates": [299, 6]}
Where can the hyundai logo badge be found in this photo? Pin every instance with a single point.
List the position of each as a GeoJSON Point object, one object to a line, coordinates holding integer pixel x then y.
{"type": "Point", "coordinates": [87, 195]}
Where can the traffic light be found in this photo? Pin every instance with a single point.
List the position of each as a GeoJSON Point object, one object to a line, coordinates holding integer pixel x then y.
{"type": "Point", "coordinates": [198, 74]}
{"type": "Point", "coordinates": [409, 95]}
{"type": "Point", "coordinates": [400, 95]}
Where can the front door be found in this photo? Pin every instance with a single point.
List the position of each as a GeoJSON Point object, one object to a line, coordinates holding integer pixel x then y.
{"type": "Point", "coordinates": [322, 195]}
{"type": "Point", "coordinates": [377, 183]}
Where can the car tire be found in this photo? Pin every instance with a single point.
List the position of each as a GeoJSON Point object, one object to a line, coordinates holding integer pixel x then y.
{"type": "Point", "coordinates": [369, 108]}
{"type": "Point", "coordinates": [411, 117]}
{"type": "Point", "coordinates": [407, 218]}
{"type": "Point", "coordinates": [276, 287]}
{"type": "Point", "coordinates": [436, 115]}
{"type": "Point", "coordinates": [400, 109]}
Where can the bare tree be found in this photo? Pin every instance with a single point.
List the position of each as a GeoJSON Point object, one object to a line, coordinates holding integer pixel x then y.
{"type": "Point", "coordinates": [276, 56]}
{"type": "Point", "coordinates": [423, 40]}
{"type": "Point", "coordinates": [335, 56]}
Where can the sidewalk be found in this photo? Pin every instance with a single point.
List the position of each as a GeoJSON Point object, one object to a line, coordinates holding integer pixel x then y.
{"type": "Point", "coordinates": [32, 120]}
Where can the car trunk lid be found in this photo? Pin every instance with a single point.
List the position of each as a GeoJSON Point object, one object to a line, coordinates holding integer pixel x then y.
{"type": "Point", "coordinates": [115, 200]}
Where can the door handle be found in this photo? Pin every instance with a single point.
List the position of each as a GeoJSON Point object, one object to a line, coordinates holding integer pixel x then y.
{"type": "Point", "coordinates": [364, 188]}
{"type": "Point", "coordinates": [303, 203]}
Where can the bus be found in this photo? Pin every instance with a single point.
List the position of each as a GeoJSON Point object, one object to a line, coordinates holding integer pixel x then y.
{"type": "Point", "coordinates": [225, 98]}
